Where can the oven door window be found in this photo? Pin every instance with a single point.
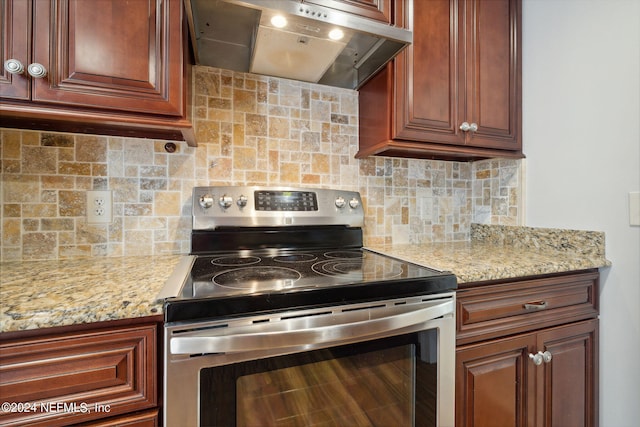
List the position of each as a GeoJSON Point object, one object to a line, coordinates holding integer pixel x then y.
{"type": "Point", "coordinates": [384, 382]}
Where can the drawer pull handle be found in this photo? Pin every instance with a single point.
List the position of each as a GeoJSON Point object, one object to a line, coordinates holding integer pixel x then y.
{"type": "Point", "coordinates": [540, 305]}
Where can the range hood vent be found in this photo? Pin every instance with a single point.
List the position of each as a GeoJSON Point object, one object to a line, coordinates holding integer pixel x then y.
{"type": "Point", "coordinates": [240, 35]}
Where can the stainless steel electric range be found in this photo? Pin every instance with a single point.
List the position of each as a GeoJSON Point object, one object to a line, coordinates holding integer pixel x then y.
{"type": "Point", "coordinates": [280, 316]}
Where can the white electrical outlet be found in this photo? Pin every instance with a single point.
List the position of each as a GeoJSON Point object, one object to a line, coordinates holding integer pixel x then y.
{"type": "Point", "coordinates": [99, 207]}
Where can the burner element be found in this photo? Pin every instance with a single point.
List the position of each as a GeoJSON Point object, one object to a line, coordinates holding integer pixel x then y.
{"type": "Point", "coordinates": [357, 269]}
{"type": "Point", "coordinates": [344, 268]}
{"type": "Point", "coordinates": [257, 278]}
{"type": "Point", "coordinates": [344, 254]}
{"type": "Point", "coordinates": [232, 261]}
{"type": "Point", "coordinates": [295, 258]}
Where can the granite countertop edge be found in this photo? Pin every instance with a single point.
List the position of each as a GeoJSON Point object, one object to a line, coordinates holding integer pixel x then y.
{"type": "Point", "coordinates": [43, 294]}
{"type": "Point", "coordinates": [497, 252]}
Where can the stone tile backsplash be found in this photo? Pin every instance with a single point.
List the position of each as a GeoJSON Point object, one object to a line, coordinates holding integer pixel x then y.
{"type": "Point", "coordinates": [252, 130]}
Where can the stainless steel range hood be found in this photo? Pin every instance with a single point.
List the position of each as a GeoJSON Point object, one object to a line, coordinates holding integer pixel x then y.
{"type": "Point", "coordinates": [240, 35]}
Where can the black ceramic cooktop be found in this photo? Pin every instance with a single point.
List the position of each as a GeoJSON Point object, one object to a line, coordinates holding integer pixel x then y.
{"type": "Point", "coordinates": [255, 281]}
{"type": "Point", "coordinates": [233, 274]}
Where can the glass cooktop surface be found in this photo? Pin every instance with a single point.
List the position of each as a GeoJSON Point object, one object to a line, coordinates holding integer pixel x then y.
{"type": "Point", "coordinates": [243, 282]}
{"type": "Point", "coordinates": [266, 272]}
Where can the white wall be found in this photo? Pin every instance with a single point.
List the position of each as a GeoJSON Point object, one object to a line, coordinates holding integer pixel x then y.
{"type": "Point", "coordinates": [581, 132]}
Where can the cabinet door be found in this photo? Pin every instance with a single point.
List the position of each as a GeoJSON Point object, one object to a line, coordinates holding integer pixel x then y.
{"type": "Point", "coordinates": [111, 54]}
{"type": "Point", "coordinates": [426, 85]}
{"type": "Point", "coordinates": [493, 380]}
{"type": "Point", "coordinates": [568, 397]}
{"type": "Point", "coordinates": [463, 66]}
{"type": "Point", "coordinates": [490, 33]}
{"type": "Point", "coordinates": [15, 44]}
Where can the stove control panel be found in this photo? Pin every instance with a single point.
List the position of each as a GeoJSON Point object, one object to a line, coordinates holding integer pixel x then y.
{"type": "Point", "coordinates": [286, 200]}
{"type": "Point", "coordinates": [240, 206]}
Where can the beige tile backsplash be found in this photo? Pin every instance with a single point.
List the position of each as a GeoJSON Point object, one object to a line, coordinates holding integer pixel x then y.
{"type": "Point", "coordinates": [252, 130]}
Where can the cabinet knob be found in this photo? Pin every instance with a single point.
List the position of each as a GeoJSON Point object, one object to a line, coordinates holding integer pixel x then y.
{"type": "Point", "coordinates": [466, 127]}
{"type": "Point", "coordinates": [13, 66]}
{"type": "Point", "coordinates": [540, 357]}
{"type": "Point", "coordinates": [537, 358]}
{"type": "Point", "coordinates": [37, 71]}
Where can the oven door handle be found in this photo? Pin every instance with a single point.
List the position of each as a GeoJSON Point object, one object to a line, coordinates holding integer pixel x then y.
{"type": "Point", "coordinates": [318, 330]}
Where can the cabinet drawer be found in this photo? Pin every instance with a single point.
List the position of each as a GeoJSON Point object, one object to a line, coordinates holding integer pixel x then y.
{"type": "Point", "coordinates": [140, 419]}
{"type": "Point", "coordinates": [491, 311]}
{"type": "Point", "coordinates": [71, 378]}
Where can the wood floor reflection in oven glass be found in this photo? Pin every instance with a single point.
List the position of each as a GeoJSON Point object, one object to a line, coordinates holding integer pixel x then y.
{"type": "Point", "coordinates": [361, 390]}
{"type": "Point", "coordinates": [386, 382]}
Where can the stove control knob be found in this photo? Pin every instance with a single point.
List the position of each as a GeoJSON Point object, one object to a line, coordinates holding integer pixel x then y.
{"type": "Point", "coordinates": [340, 202]}
{"type": "Point", "coordinates": [206, 201]}
{"type": "Point", "coordinates": [354, 203]}
{"type": "Point", "coordinates": [225, 201]}
{"type": "Point", "coordinates": [242, 201]}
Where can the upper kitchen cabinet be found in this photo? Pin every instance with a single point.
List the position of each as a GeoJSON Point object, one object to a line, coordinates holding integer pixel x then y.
{"type": "Point", "coordinates": [379, 10]}
{"type": "Point", "coordinates": [456, 92]}
{"type": "Point", "coordinates": [101, 66]}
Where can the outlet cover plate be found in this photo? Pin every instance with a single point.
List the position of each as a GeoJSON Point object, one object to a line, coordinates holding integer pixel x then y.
{"type": "Point", "coordinates": [99, 207]}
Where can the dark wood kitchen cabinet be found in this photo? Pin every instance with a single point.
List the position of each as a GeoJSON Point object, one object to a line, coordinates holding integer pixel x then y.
{"type": "Point", "coordinates": [102, 66]}
{"type": "Point", "coordinates": [95, 374]}
{"type": "Point", "coordinates": [527, 352]}
{"type": "Point", "coordinates": [456, 92]}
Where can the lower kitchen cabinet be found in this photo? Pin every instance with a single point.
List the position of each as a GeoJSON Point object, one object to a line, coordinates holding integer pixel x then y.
{"type": "Point", "coordinates": [98, 375]}
{"type": "Point", "coordinates": [141, 419]}
{"type": "Point", "coordinates": [541, 376]}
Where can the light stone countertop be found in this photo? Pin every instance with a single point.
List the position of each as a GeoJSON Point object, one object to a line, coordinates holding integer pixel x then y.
{"type": "Point", "coordinates": [41, 294]}
{"type": "Point", "coordinates": [481, 261]}
{"type": "Point", "coordinates": [507, 252]}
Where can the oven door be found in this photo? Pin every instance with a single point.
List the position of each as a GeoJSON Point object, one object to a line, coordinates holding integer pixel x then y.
{"type": "Point", "coordinates": [370, 364]}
